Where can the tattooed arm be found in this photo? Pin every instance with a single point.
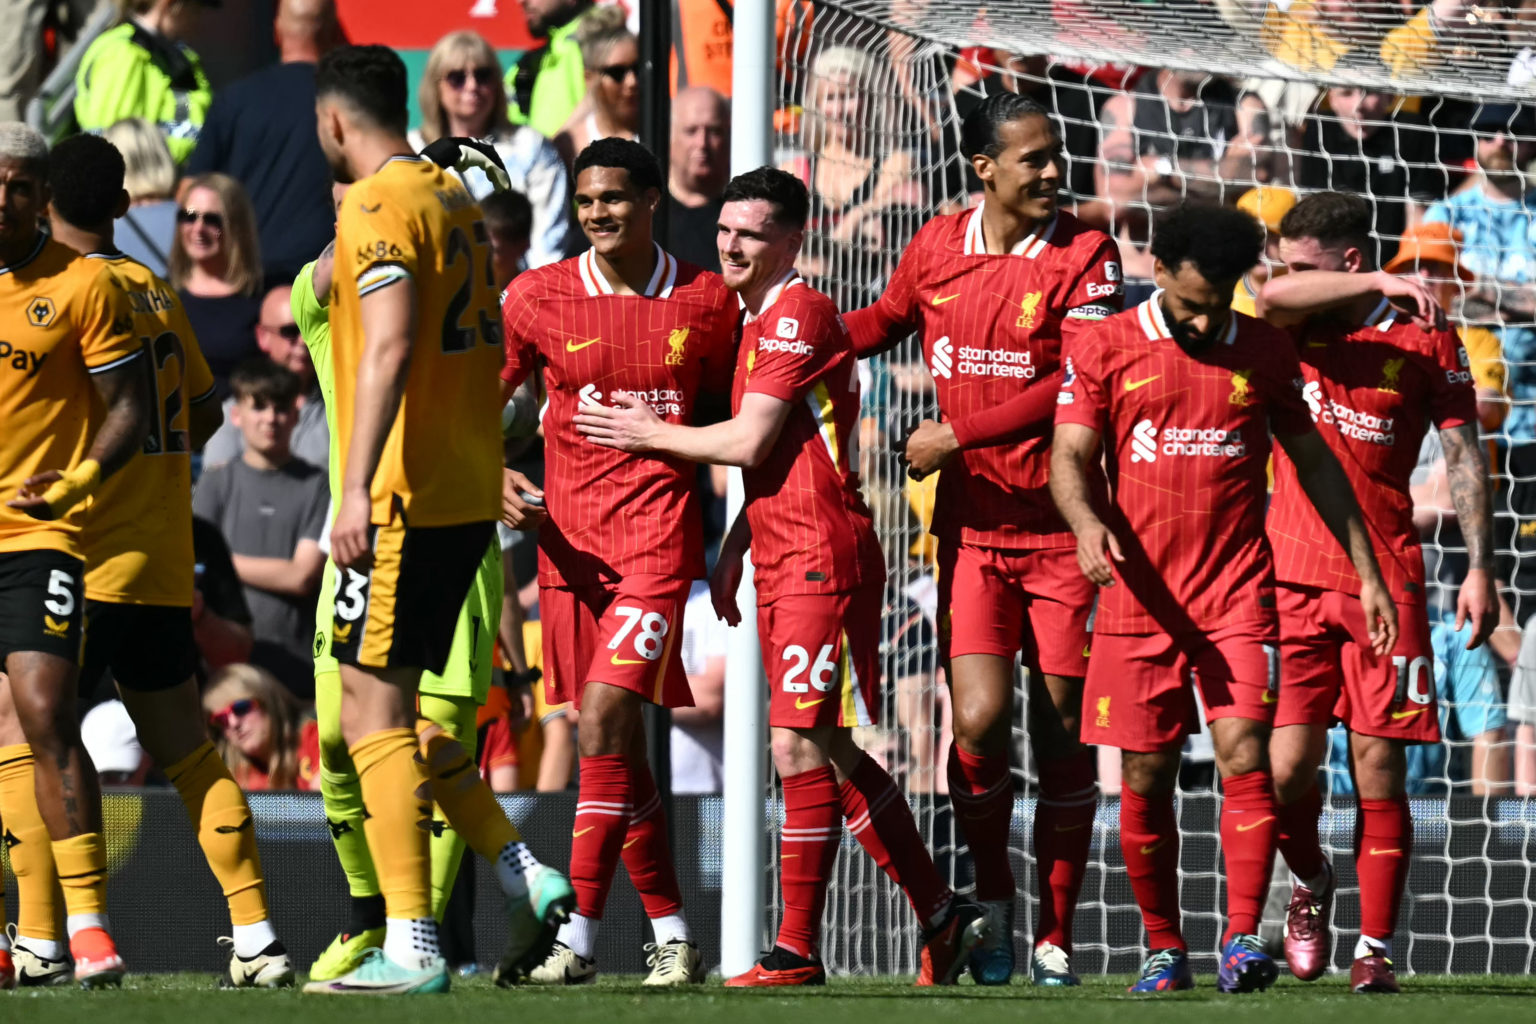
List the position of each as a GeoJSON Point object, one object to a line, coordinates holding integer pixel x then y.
{"type": "Point", "coordinates": [1466, 471]}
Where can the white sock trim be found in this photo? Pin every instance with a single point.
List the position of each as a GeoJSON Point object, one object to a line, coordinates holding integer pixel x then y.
{"type": "Point", "coordinates": [580, 935]}
{"type": "Point", "coordinates": [76, 923]}
{"type": "Point", "coordinates": [672, 928]}
{"type": "Point", "coordinates": [251, 939]}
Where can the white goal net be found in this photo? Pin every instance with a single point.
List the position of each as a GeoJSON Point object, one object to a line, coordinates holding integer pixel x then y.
{"type": "Point", "coordinates": [1407, 105]}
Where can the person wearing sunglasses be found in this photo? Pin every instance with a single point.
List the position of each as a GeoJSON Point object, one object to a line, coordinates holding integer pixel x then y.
{"type": "Point", "coordinates": [611, 54]}
{"type": "Point", "coordinates": [216, 269]}
{"type": "Point", "coordinates": [277, 335]}
{"type": "Point", "coordinates": [259, 731]}
{"type": "Point", "coordinates": [462, 95]}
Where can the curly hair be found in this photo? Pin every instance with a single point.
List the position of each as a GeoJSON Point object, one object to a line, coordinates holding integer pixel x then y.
{"type": "Point", "coordinates": [1221, 242]}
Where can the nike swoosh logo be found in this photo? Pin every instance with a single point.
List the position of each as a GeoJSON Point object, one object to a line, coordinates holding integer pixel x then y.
{"type": "Point", "coordinates": [801, 706]}
{"type": "Point", "coordinates": [573, 346]}
{"type": "Point", "coordinates": [627, 845]}
{"type": "Point", "coordinates": [1375, 852]}
{"type": "Point", "coordinates": [375, 208]}
{"type": "Point", "coordinates": [1071, 828]}
{"type": "Point", "coordinates": [1268, 698]}
{"type": "Point", "coordinates": [1399, 715]}
{"type": "Point", "coordinates": [1147, 851]}
{"type": "Point", "coordinates": [1132, 385]}
{"type": "Point", "coordinates": [578, 835]}
{"type": "Point", "coordinates": [941, 299]}
{"type": "Point", "coordinates": [616, 660]}
{"type": "Point", "coordinates": [1256, 824]}
{"type": "Point", "coordinates": [789, 856]}
{"type": "Point", "coordinates": [1087, 652]}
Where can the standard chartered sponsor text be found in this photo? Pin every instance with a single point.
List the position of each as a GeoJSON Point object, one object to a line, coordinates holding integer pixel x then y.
{"type": "Point", "coordinates": [984, 362]}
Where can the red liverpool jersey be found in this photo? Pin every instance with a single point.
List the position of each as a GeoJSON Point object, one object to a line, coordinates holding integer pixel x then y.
{"type": "Point", "coordinates": [613, 514]}
{"type": "Point", "coordinates": [1372, 389]}
{"type": "Point", "coordinates": [991, 326]}
{"type": "Point", "coordinates": [811, 531]}
{"type": "Point", "coordinates": [1186, 440]}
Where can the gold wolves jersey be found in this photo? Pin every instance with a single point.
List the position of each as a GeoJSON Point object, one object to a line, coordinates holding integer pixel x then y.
{"type": "Point", "coordinates": [138, 530]}
{"type": "Point", "coordinates": [62, 318]}
{"type": "Point", "coordinates": [442, 457]}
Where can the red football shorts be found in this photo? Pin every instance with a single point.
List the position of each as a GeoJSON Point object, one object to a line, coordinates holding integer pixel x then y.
{"type": "Point", "coordinates": [625, 634]}
{"type": "Point", "coordinates": [1328, 671]}
{"type": "Point", "coordinates": [822, 656]}
{"type": "Point", "coordinates": [1001, 602]}
{"type": "Point", "coordinates": [1140, 690]}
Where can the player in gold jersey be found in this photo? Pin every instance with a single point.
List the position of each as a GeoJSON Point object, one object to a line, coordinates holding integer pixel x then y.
{"type": "Point", "coordinates": [139, 562]}
{"type": "Point", "coordinates": [73, 410]}
{"type": "Point", "coordinates": [415, 347]}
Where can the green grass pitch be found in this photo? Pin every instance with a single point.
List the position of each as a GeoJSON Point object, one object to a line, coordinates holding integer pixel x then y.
{"type": "Point", "coordinates": [153, 999]}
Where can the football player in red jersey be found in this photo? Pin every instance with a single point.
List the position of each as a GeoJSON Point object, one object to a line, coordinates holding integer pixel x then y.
{"type": "Point", "coordinates": [994, 292]}
{"type": "Point", "coordinates": [1185, 393]}
{"type": "Point", "coordinates": [619, 541]}
{"type": "Point", "coordinates": [819, 576]}
{"type": "Point", "coordinates": [1379, 364]}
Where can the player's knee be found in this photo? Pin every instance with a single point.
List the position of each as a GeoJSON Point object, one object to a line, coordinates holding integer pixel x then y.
{"type": "Point", "coordinates": [794, 752]}
{"type": "Point", "coordinates": [1380, 767]}
{"type": "Point", "coordinates": [1152, 773]}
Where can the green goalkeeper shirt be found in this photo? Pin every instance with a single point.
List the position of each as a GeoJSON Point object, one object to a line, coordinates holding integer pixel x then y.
{"type": "Point", "coordinates": [313, 315]}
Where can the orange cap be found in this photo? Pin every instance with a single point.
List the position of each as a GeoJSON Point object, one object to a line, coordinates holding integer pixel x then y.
{"type": "Point", "coordinates": [1428, 243]}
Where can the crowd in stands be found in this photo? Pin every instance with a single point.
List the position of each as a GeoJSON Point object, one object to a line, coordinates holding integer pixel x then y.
{"type": "Point", "coordinates": [231, 196]}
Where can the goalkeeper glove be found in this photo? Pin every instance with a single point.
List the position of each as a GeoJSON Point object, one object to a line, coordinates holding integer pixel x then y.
{"type": "Point", "coordinates": [463, 155]}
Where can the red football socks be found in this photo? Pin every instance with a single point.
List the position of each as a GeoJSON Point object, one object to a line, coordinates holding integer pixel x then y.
{"type": "Point", "coordinates": [1297, 839]}
{"type": "Point", "coordinates": [1063, 832]}
{"type": "Point", "coordinates": [1248, 827]}
{"type": "Point", "coordinates": [981, 789]}
{"type": "Point", "coordinates": [646, 851]}
{"type": "Point", "coordinates": [879, 818]}
{"type": "Point", "coordinates": [603, 807]}
{"type": "Point", "coordinates": [1149, 842]}
{"type": "Point", "coordinates": [813, 829]}
{"type": "Point", "coordinates": [1386, 842]}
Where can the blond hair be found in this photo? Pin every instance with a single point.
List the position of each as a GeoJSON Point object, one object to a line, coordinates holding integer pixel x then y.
{"type": "Point", "coordinates": [452, 51]}
{"type": "Point", "coordinates": [864, 73]}
{"type": "Point", "coordinates": [599, 30]}
{"type": "Point", "coordinates": [240, 238]}
{"type": "Point", "coordinates": [247, 682]}
{"type": "Point", "coordinates": [148, 170]}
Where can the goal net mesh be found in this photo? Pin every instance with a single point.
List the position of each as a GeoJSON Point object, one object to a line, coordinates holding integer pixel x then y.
{"type": "Point", "coordinates": [1159, 101]}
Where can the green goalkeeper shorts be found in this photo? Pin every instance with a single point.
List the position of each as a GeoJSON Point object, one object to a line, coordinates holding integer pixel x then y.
{"type": "Point", "coordinates": [468, 672]}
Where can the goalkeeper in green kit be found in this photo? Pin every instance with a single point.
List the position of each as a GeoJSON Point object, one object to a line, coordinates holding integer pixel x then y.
{"type": "Point", "coordinates": [537, 896]}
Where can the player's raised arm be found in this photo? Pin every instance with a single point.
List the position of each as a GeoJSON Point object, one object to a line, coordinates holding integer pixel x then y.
{"type": "Point", "coordinates": [1323, 479]}
{"type": "Point", "coordinates": [1299, 294]}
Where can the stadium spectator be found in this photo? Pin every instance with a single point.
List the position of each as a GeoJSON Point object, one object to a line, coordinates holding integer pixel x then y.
{"type": "Point", "coordinates": [852, 171]}
{"type": "Point", "coordinates": [1267, 204]}
{"type": "Point", "coordinates": [1315, 36]}
{"type": "Point", "coordinates": [260, 732]}
{"type": "Point", "coordinates": [1365, 142]}
{"type": "Point", "coordinates": [1496, 212]}
{"type": "Point", "coordinates": [277, 335]}
{"type": "Point", "coordinates": [462, 95]}
{"type": "Point", "coordinates": [216, 268]}
{"type": "Point", "coordinates": [509, 222]}
{"type": "Point", "coordinates": [22, 55]}
{"type": "Point", "coordinates": [1179, 134]}
{"type": "Point", "coordinates": [698, 733]}
{"type": "Point", "coordinates": [271, 508]}
{"type": "Point", "coordinates": [149, 226]}
{"type": "Point", "coordinates": [549, 81]}
{"type": "Point", "coordinates": [696, 175]}
{"type": "Point", "coordinates": [1520, 33]}
{"type": "Point", "coordinates": [261, 132]}
{"type": "Point", "coordinates": [221, 620]}
{"type": "Point", "coordinates": [610, 53]}
{"type": "Point", "coordinates": [141, 68]}
{"type": "Point", "coordinates": [1522, 711]}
